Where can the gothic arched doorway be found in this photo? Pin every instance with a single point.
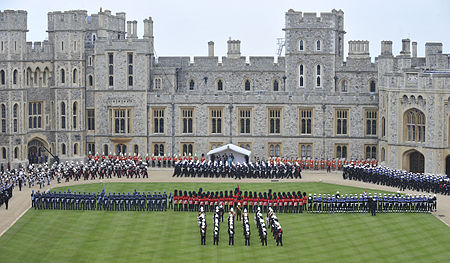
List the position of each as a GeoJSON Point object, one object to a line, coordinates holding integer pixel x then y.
{"type": "Point", "coordinates": [416, 162]}
{"type": "Point", "coordinates": [37, 152]}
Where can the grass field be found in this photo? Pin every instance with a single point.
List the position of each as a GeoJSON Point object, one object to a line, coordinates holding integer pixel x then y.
{"type": "Point", "coordinates": [98, 236]}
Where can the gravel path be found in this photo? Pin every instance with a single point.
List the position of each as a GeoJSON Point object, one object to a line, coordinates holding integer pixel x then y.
{"type": "Point", "coordinates": [21, 201]}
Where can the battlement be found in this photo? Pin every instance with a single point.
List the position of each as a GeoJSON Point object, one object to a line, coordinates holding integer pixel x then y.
{"type": "Point", "coordinates": [107, 21]}
{"type": "Point", "coordinates": [358, 49]}
{"type": "Point", "coordinates": [13, 20]}
{"type": "Point", "coordinates": [38, 47]}
{"type": "Point", "coordinates": [333, 19]}
{"type": "Point", "coordinates": [68, 20]}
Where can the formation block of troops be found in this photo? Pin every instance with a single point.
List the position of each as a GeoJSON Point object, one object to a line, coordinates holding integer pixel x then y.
{"type": "Point", "coordinates": [231, 227]}
{"type": "Point", "coordinates": [363, 203]}
{"type": "Point", "coordinates": [201, 221]}
{"type": "Point", "coordinates": [398, 178]}
{"type": "Point", "coordinates": [246, 227]}
{"type": "Point", "coordinates": [216, 220]}
{"type": "Point", "coordinates": [216, 169]}
{"type": "Point", "coordinates": [286, 202]}
{"type": "Point", "coordinates": [261, 225]}
{"type": "Point", "coordinates": [275, 227]}
{"type": "Point", "coordinates": [135, 201]}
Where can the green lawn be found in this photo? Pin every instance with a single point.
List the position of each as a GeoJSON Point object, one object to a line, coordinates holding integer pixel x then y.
{"type": "Point", "coordinates": [94, 236]}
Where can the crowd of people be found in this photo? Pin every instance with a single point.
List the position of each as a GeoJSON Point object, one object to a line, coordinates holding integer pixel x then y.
{"type": "Point", "coordinates": [373, 203]}
{"type": "Point", "coordinates": [136, 201]}
{"type": "Point", "coordinates": [227, 169]}
{"type": "Point", "coordinates": [283, 202]}
{"type": "Point", "coordinates": [401, 179]}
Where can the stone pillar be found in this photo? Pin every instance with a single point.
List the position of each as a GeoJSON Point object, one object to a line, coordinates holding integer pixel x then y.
{"type": "Point", "coordinates": [210, 49]}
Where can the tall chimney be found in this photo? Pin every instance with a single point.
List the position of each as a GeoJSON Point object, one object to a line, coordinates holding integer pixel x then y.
{"type": "Point", "coordinates": [129, 29]}
{"type": "Point", "coordinates": [234, 48]}
{"type": "Point", "coordinates": [148, 28]}
{"type": "Point", "coordinates": [210, 49]}
{"type": "Point", "coordinates": [386, 48]}
{"type": "Point", "coordinates": [414, 49]}
{"type": "Point", "coordinates": [135, 28]}
{"type": "Point", "coordinates": [406, 47]}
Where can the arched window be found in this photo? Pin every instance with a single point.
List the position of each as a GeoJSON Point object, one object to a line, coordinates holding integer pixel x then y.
{"type": "Point", "coordinates": [318, 45]}
{"type": "Point", "coordinates": [301, 74]}
{"type": "Point", "coordinates": [45, 76]}
{"type": "Point", "coordinates": [121, 149]}
{"type": "Point", "coordinates": [373, 86]}
{"type": "Point", "coordinates": [161, 149]}
{"type": "Point", "coordinates": [301, 45]}
{"type": "Point", "coordinates": [4, 153]}
{"type": "Point", "coordinates": [383, 154]}
{"type": "Point", "coordinates": [277, 150]}
{"type": "Point", "coordinates": [15, 119]}
{"type": "Point", "coordinates": [63, 149]}
{"type": "Point", "coordinates": [344, 85]}
{"type": "Point", "coordinates": [63, 76]}
{"type": "Point", "coordinates": [136, 149]}
{"type": "Point", "coordinates": [75, 149]}
{"type": "Point", "coordinates": [90, 80]}
{"type": "Point", "coordinates": [219, 84]}
{"type": "Point", "coordinates": [15, 73]}
{"type": "Point", "coordinates": [383, 127]}
{"type": "Point", "coordinates": [414, 125]}
{"type": "Point", "coordinates": [2, 77]}
{"type": "Point", "coordinates": [185, 149]}
{"type": "Point", "coordinates": [74, 115]}
{"type": "Point", "coordinates": [276, 84]}
{"type": "Point", "coordinates": [63, 115]}
{"type": "Point", "coordinates": [318, 74]}
{"type": "Point", "coordinates": [191, 84]}
{"type": "Point", "coordinates": [3, 115]}
{"type": "Point", "coordinates": [247, 85]}
{"type": "Point", "coordinates": [105, 148]}
{"type": "Point", "coordinates": [16, 153]}
{"type": "Point", "coordinates": [74, 76]}
{"type": "Point", "coordinates": [272, 150]}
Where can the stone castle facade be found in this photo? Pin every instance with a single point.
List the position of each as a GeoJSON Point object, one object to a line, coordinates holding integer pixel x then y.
{"type": "Point", "coordinates": [94, 86]}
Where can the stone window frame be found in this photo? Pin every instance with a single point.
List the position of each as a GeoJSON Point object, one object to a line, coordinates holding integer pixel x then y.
{"type": "Point", "coordinates": [340, 154]}
{"type": "Point", "coordinates": [91, 148]}
{"type": "Point", "coordinates": [246, 145]}
{"type": "Point", "coordinates": [125, 113]}
{"type": "Point", "coordinates": [35, 114]}
{"type": "Point", "coordinates": [190, 150]}
{"type": "Point", "coordinates": [90, 119]}
{"type": "Point", "coordinates": [106, 148]}
{"type": "Point", "coordinates": [276, 150]}
{"type": "Point", "coordinates": [271, 114]}
{"type": "Point", "coordinates": [318, 72]}
{"type": "Point", "coordinates": [304, 146]}
{"type": "Point", "coordinates": [130, 65]}
{"type": "Point", "coordinates": [63, 149]}
{"type": "Point", "coordinates": [62, 75]}
{"type": "Point", "coordinates": [215, 144]}
{"type": "Point", "coordinates": [75, 110]}
{"type": "Point", "coordinates": [15, 76]}
{"type": "Point", "coordinates": [217, 84]}
{"type": "Point", "coordinates": [383, 127]}
{"type": "Point", "coordinates": [241, 114]}
{"type": "Point", "coordinates": [135, 149]}
{"type": "Point", "coordinates": [373, 149]}
{"type": "Point", "coordinates": [63, 114]}
{"type": "Point", "coordinates": [383, 154]}
{"type": "Point", "coordinates": [191, 84]}
{"type": "Point", "coordinates": [372, 80]}
{"type": "Point", "coordinates": [3, 116]}
{"type": "Point", "coordinates": [120, 147]}
{"type": "Point", "coordinates": [15, 117]}
{"type": "Point", "coordinates": [276, 79]}
{"type": "Point", "coordinates": [318, 42]}
{"type": "Point", "coordinates": [156, 85]}
{"type": "Point", "coordinates": [90, 80]}
{"type": "Point", "coordinates": [16, 153]}
{"type": "Point", "coordinates": [159, 113]}
{"type": "Point", "coordinates": [369, 119]}
{"type": "Point", "coordinates": [301, 75]}
{"type": "Point", "coordinates": [75, 75]}
{"type": "Point", "coordinates": [76, 151]}
{"type": "Point", "coordinates": [187, 117]}
{"type": "Point", "coordinates": [110, 61]}
{"type": "Point", "coordinates": [156, 148]}
{"type": "Point", "coordinates": [301, 46]}
{"type": "Point", "coordinates": [341, 85]}
{"type": "Point", "coordinates": [2, 77]}
{"type": "Point", "coordinates": [341, 114]}
{"type": "Point", "coordinates": [414, 126]}
{"type": "Point", "coordinates": [217, 119]}
{"type": "Point", "coordinates": [244, 84]}
{"type": "Point", "coordinates": [302, 110]}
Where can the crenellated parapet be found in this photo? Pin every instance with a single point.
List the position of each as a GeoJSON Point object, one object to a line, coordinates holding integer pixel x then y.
{"type": "Point", "coordinates": [13, 20]}
{"type": "Point", "coordinates": [333, 19]}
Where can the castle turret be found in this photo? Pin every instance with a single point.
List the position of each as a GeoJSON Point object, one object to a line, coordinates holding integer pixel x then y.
{"type": "Point", "coordinates": [234, 48]}
{"type": "Point", "coordinates": [358, 49]}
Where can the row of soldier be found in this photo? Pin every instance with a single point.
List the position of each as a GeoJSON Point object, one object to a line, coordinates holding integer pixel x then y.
{"type": "Point", "coordinates": [275, 227]}
{"type": "Point", "coordinates": [135, 201]}
{"type": "Point", "coordinates": [398, 178]}
{"type": "Point", "coordinates": [286, 202]}
{"type": "Point", "coordinates": [216, 169]}
{"type": "Point", "coordinates": [362, 203]}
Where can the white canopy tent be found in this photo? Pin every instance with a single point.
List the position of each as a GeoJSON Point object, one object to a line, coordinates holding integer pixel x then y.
{"type": "Point", "coordinates": [241, 155]}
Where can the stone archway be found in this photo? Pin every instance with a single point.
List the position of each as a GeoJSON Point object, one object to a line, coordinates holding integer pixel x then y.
{"type": "Point", "coordinates": [36, 151]}
{"type": "Point", "coordinates": [414, 161]}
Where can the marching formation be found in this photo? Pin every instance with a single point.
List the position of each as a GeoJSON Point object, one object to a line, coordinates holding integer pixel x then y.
{"type": "Point", "coordinates": [283, 202]}
{"type": "Point", "coordinates": [231, 227]}
{"type": "Point", "coordinates": [262, 230]}
{"type": "Point", "coordinates": [216, 219]}
{"type": "Point", "coordinates": [246, 227]}
{"type": "Point", "coordinates": [363, 203]}
{"type": "Point", "coordinates": [135, 201]}
{"type": "Point", "coordinates": [398, 178]}
{"type": "Point", "coordinates": [216, 169]}
{"type": "Point", "coordinates": [275, 227]}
